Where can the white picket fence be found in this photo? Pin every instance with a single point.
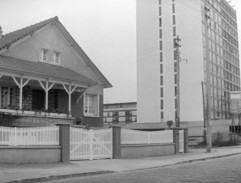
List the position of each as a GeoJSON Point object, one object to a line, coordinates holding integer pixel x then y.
{"type": "Point", "coordinates": [35, 136]}
{"type": "Point", "coordinates": [146, 137]}
{"type": "Point", "coordinates": [90, 144]}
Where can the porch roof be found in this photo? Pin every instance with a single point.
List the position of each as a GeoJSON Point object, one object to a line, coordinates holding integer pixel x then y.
{"type": "Point", "coordinates": [42, 70]}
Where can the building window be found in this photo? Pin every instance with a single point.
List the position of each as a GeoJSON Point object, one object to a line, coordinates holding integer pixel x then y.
{"type": "Point", "coordinates": [160, 33]}
{"type": "Point", "coordinates": [162, 115]}
{"type": "Point", "coordinates": [161, 80]}
{"type": "Point", "coordinates": [91, 105]}
{"type": "Point", "coordinates": [173, 8]}
{"type": "Point", "coordinates": [161, 56]}
{"type": "Point", "coordinates": [161, 92]}
{"type": "Point", "coordinates": [44, 55]}
{"type": "Point", "coordinates": [56, 57]}
{"type": "Point", "coordinates": [6, 96]}
{"type": "Point", "coordinates": [161, 104]}
{"type": "Point", "coordinates": [174, 31]}
{"type": "Point", "coordinates": [174, 20]}
{"type": "Point", "coordinates": [161, 69]}
{"type": "Point", "coordinates": [160, 22]}
{"type": "Point", "coordinates": [115, 117]}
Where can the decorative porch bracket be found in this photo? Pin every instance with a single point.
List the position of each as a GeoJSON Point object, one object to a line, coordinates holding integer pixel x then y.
{"type": "Point", "coordinates": [69, 90]}
{"type": "Point", "coordinates": [21, 83]}
{"type": "Point", "coordinates": [46, 85]}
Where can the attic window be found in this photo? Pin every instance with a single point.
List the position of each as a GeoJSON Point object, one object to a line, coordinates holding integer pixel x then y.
{"type": "Point", "coordinates": [56, 57]}
{"type": "Point", "coordinates": [44, 55]}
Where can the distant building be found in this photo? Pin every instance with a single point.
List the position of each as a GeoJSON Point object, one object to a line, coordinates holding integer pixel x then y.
{"type": "Point", "coordinates": [120, 113]}
{"type": "Point", "coordinates": [209, 41]}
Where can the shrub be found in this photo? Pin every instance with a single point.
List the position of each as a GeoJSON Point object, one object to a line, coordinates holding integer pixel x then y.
{"type": "Point", "coordinates": [8, 119]}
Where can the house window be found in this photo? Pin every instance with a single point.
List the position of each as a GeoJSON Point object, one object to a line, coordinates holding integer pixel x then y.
{"type": "Point", "coordinates": [6, 96]}
{"type": "Point", "coordinates": [56, 57]}
{"type": "Point", "coordinates": [91, 105]}
{"type": "Point", "coordinates": [44, 55]}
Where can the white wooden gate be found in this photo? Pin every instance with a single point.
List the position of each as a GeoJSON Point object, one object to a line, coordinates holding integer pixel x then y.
{"type": "Point", "coordinates": [90, 144]}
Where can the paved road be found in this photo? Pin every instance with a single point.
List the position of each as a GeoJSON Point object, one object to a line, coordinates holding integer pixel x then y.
{"type": "Point", "coordinates": [223, 170]}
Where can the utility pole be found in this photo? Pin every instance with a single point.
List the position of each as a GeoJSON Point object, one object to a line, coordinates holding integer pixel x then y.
{"type": "Point", "coordinates": [208, 87]}
{"type": "Point", "coordinates": [178, 60]}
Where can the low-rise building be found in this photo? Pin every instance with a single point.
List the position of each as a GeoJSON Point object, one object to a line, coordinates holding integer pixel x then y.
{"type": "Point", "coordinates": [119, 113]}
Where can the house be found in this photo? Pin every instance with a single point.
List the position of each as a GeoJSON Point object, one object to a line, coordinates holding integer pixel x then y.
{"type": "Point", "coordinates": [46, 77]}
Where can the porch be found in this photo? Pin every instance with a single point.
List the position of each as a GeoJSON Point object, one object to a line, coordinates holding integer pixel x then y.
{"type": "Point", "coordinates": [40, 90]}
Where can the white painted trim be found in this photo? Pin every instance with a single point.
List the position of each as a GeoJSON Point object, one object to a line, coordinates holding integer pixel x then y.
{"type": "Point", "coordinates": [98, 105]}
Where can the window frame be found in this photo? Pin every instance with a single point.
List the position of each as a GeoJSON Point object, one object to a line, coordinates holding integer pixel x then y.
{"type": "Point", "coordinates": [56, 57]}
{"type": "Point", "coordinates": [42, 55]}
{"type": "Point", "coordinates": [9, 96]}
{"type": "Point", "coordinates": [86, 108]}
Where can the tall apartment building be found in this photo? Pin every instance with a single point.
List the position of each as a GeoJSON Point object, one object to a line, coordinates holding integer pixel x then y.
{"type": "Point", "coordinates": [209, 40]}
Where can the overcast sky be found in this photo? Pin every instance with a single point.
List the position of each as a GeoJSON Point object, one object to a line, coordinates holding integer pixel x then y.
{"type": "Point", "coordinates": [105, 30]}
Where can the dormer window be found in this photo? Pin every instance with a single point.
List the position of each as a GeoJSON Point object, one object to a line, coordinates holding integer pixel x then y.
{"type": "Point", "coordinates": [44, 55]}
{"type": "Point", "coordinates": [56, 57]}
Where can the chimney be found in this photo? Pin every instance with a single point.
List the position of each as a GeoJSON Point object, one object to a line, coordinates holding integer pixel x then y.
{"type": "Point", "coordinates": [1, 32]}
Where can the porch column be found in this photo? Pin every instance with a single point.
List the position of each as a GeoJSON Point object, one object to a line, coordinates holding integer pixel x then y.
{"type": "Point", "coordinates": [69, 91]}
{"type": "Point", "coordinates": [46, 88]}
{"type": "Point", "coordinates": [20, 84]}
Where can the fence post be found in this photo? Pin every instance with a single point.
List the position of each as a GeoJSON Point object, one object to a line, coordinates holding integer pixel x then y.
{"type": "Point", "coordinates": [185, 140]}
{"type": "Point", "coordinates": [64, 140]}
{"type": "Point", "coordinates": [116, 142]}
{"type": "Point", "coordinates": [176, 140]}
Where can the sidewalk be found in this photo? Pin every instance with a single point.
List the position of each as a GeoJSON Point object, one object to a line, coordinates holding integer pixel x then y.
{"type": "Point", "coordinates": [42, 172]}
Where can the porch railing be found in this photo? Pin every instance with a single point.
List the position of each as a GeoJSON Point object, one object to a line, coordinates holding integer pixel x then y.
{"type": "Point", "coordinates": [36, 136]}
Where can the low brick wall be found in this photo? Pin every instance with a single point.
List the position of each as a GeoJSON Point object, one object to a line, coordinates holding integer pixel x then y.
{"type": "Point", "coordinates": [147, 150]}
{"type": "Point", "coordinates": [23, 155]}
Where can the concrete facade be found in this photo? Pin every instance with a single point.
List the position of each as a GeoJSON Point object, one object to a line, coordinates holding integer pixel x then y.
{"type": "Point", "coordinates": [158, 24]}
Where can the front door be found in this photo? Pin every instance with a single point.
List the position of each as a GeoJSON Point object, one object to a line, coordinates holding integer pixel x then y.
{"type": "Point", "coordinates": [38, 99]}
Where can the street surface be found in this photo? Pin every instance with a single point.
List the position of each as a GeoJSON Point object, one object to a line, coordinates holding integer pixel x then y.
{"type": "Point", "coordinates": [222, 170]}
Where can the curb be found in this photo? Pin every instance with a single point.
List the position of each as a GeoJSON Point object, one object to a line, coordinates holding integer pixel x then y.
{"type": "Point", "coordinates": [57, 177]}
{"type": "Point", "coordinates": [188, 161]}
{"type": "Point", "coordinates": [207, 158]}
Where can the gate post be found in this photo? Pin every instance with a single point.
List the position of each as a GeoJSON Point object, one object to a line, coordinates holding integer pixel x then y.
{"type": "Point", "coordinates": [64, 142]}
{"type": "Point", "coordinates": [185, 140]}
{"type": "Point", "coordinates": [176, 140]}
{"type": "Point", "coordinates": [116, 142]}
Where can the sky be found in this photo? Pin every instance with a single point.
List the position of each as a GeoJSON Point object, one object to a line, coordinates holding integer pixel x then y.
{"type": "Point", "coordinates": [104, 29]}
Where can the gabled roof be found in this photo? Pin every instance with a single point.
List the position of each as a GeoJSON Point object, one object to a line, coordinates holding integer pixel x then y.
{"type": "Point", "coordinates": [12, 37]}
{"type": "Point", "coordinates": [43, 70]}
